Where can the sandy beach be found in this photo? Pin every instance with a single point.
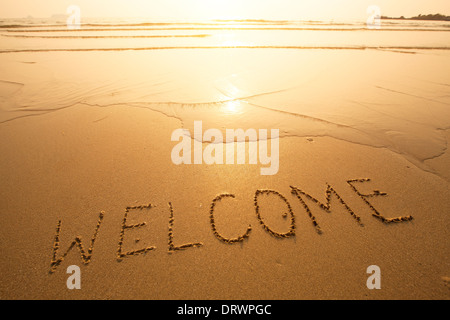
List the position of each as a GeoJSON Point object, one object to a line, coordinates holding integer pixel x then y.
{"type": "Point", "coordinates": [363, 175]}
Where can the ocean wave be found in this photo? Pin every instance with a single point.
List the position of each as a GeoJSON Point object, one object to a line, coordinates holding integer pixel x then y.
{"type": "Point", "coordinates": [111, 37]}
{"type": "Point", "coordinates": [226, 27]}
{"type": "Point", "coordinates": [233, 47]}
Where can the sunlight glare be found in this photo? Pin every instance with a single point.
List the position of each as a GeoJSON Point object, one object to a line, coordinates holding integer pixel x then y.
{"type": "Point", "coordinates": [232, 106]}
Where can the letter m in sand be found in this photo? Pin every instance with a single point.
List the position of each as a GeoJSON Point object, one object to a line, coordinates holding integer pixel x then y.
{"type": "Point", "coordinates": [325, 206]}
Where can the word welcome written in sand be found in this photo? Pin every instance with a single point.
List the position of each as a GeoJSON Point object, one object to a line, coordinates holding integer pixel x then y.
{"type": "Point", "coordinates": [302, 196]}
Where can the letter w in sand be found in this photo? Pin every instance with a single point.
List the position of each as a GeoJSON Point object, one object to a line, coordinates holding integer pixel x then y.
{"type": "Point", "coordinates": [85, 256]}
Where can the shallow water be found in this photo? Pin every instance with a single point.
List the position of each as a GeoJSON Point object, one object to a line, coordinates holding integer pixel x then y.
{"type": "Point", "coordinates": [25, 35]}
{"type": "Point", "coordinates": [384, 88]}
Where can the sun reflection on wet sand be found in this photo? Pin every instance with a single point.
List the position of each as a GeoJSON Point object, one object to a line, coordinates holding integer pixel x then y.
{"type": "Point", "coordinates": [232, 107]}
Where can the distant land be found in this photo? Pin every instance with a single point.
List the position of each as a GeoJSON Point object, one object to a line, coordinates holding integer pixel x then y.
{"type": "Point", "coordinates": [435, 17]}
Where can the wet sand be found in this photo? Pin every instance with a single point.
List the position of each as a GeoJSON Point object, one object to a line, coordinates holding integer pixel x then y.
{"type": "Point", "coordinates": [363, 176]}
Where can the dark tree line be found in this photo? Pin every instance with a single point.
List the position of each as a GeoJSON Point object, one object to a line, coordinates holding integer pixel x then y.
{"type": "Point", "coordinates": [435, 17]}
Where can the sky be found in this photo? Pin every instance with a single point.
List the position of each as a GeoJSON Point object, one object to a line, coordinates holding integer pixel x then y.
{"type": "Point", "coordinates": [224, 9]}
